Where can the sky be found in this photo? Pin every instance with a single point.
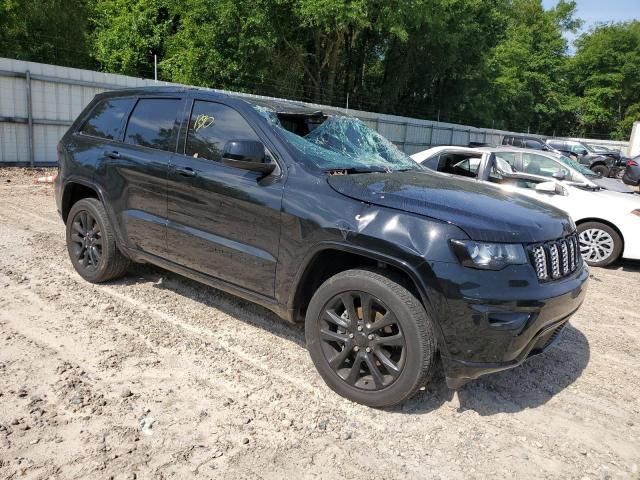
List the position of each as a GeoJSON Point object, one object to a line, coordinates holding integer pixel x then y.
{"type": "Point", "coordinates": [594, 11]}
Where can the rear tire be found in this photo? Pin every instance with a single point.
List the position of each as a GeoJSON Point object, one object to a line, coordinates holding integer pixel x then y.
{"type": "Point", "coordinates": [91, 243]}
{"type": "Point", "coordinates": [381, 353]}
{"type": "Point", "coordinates": [600, 245]}
{"type": "Point", "coordinates": [601, 170]}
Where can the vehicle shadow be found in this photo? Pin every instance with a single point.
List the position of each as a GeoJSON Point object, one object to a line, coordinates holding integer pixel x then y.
{"type": "Point", "coordinates": [625, 265]}
{"type": "Point", "coordinates": [528, 386]}
{"type": "Point", "coordinates": [236, 307]}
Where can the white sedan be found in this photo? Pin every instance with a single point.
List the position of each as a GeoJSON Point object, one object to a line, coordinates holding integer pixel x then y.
{"type": "Point", "coordinates": [608, 222]}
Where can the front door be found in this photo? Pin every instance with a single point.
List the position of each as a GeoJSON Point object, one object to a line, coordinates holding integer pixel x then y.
{"type": "Point", "coordinates": [223, 221]}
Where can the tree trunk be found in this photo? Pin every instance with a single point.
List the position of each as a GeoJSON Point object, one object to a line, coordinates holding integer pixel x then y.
{"type": "Point", "coordinates": [333, 66]}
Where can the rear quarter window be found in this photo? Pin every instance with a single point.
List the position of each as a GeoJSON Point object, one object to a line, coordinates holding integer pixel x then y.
{"type": "Point", "coordinates": [105, 120]}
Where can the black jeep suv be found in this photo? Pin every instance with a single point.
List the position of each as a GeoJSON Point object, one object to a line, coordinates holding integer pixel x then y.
{"type": "Point", "coordinates": [320, 219]}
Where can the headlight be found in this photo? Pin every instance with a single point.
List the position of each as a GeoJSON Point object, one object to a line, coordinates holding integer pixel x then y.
{"type": "Point", "coordinates": [489, 256]}
{"type": "Point", "coordinates": [636, 213]}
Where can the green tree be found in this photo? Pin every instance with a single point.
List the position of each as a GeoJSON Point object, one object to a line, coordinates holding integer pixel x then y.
{"type": "Point", "coordinates": [224, 44]}
{"type": "Point", "coordinates": [49, 31]}
{"type": "Point", "coordinates": [529, 68]}
{"type": "Point", "coordinates": [126, 34]}
{"type": "Point", "coordinates": [606, 77]}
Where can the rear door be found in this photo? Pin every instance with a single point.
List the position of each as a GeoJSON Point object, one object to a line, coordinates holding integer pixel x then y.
{"type": "Point", "coordinates": [223, 221]}
{"type": "Point", "coordinates": [135, 171]}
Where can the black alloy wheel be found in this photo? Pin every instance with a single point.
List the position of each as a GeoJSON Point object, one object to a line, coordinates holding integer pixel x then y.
{"type": "Point", "coordinates": [87, 240]}
{"type": "Point", "coordinates": [369, 337]}
{"type": "Point", "coordinates": [91, 243]}
{"type": "Point", "coordinates": [362, 340]}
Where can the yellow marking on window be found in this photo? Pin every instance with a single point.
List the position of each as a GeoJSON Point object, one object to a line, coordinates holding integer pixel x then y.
{"type": "Point", "coordinates": [203, 121]}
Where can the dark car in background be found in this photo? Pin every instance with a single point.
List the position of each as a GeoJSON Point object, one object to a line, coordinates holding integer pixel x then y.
{"type": "Point", "coordinates": [632, 173]}
{"type": "Point", "coordinates": [320, 219]}
{"type": "Point", "coordinates": [521, 141]}
{"type": "Point", "coordinates": [620, 160]}
{"type": "Point", "coordinates": [601, 164]}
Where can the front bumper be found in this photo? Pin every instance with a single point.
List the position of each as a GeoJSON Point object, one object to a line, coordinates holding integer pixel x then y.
{"type": "Point", "coordinates": [497, 322]}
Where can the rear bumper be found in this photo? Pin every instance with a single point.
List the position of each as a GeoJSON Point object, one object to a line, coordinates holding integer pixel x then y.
{"type": "Point", "coordinates": [490, 332]}
{"type": "Point", "coordinates": [633, 180]}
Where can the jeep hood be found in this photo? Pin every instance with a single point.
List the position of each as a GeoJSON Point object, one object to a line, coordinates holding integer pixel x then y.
{"type": "Point", "coordinates": [484, 212]}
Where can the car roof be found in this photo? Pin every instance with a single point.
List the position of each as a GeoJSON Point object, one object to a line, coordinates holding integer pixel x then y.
{"type": "Point", "coordinates": [278, 105]}
{"type": "Point", "coordinates": [509, 148]}
{"type": "Point", "coordinates": [424, 154]}
{"type": "Point", "coordinates": [525, 137]}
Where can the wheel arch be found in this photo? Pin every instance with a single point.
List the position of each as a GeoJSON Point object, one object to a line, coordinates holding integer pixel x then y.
{"type": "Point", "coordinates": [329, 259]}
{"type": "Point", "coordinates": [604, 222]}
{"type": "Point", "coordinates": [74, 191]}
{"type": "Point", "coordinates": [598, 163]}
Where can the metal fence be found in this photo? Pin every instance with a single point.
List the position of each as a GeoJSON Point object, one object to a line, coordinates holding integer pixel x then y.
{"type": "Point", "coordinates": [38, 102]}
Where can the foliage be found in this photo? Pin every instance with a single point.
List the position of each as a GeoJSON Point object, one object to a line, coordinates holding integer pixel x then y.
{"type": "Point", "coordinates": [493, 63]}
{"type": "Point", "coordinates": [40, 31]}
{"type": "Point", "coordinates": [530, 88]}
{"type": "Point", "coordinates": [606, 78]}
{"type": "Point", "coordinates": [127, 34]}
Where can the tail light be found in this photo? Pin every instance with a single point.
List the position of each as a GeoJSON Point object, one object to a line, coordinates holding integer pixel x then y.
{"type": "Point", "coordinates": [632, 163]}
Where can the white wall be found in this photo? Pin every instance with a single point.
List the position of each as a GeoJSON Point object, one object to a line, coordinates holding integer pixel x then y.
{"type": "Point", "coordinates": [634, 144]}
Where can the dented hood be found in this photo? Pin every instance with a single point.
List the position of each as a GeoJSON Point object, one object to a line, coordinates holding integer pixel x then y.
{"type": "Point", "coordinates": [484, 212]}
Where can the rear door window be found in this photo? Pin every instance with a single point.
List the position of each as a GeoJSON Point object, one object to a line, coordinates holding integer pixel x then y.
{"type": "Point", "coordinates": [556, 144]}
{"type": "Point", "coordinates": [460, 164]}
{"type": "Point", "coordinates": [106, 118]}
{"type": "Point", "coordinates": [211, 125]}
{"type": "Point", "coordinates": [153, 123]}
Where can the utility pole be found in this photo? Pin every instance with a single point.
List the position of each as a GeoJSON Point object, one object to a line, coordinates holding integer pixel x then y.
{"type": "Point", "coordinates": [155, 67]}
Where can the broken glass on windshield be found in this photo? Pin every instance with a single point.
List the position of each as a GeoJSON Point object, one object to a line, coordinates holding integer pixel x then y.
{"type": "Point", "coordinates": [343, 143]}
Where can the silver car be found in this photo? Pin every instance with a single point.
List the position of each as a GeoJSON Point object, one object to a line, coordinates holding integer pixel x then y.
{"type": "Point", "coordinates": [534, 162]}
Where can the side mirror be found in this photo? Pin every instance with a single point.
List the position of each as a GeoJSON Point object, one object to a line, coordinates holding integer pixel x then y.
{"type": "Point", "coordinates": [247, 155]}
{"type": "Point", "coordinates": [581, 151]}
{"type": "Point", "coordinates": [546, 187]}
{"type": "Point", "coordinates": [553, 188]}
{"type": "Point", "coordinates": [560, 175]}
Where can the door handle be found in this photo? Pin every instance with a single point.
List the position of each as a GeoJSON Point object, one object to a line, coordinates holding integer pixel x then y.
{"type": "Point", "coordinates": [112, 154]}
{"type": "Point", "coordinates": [186, 171]}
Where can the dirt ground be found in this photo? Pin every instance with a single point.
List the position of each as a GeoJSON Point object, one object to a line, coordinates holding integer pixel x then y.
{"type": "Point", "coordinates": [156, 376]}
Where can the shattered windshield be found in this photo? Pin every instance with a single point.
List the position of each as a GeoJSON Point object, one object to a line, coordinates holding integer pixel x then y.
{"type": "Point", "coordinates": [345, 143]}
{"type": "Point", "coordinates": [576, 166]}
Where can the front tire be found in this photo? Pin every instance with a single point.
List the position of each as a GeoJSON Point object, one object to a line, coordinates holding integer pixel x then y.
{"type": "Point", "coordinates": [370, 338]}
{"type": "Point", "coordinates": [601, 170]}
{"type": "Point", "coordinates": [91, 243]}
{"type": "Point", "coordinates": [600, 245]}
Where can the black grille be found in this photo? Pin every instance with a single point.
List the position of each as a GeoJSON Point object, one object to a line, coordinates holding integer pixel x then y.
{"type": "Point", "coordinates": [557, 259]}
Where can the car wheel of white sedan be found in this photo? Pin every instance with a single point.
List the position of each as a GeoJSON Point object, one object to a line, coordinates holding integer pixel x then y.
{"type": "Point", "coordinates": [600, 244]}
